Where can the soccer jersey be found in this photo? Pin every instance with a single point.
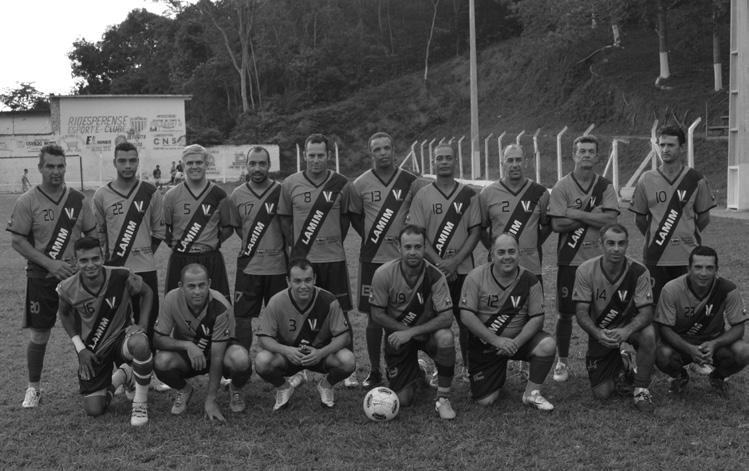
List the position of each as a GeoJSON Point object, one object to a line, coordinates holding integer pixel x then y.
{"type": "Point", "coordinates": [214, 323]}
{"type": "Point", "coordinates": [673, 207]}
{"type": "Point", "coordinates": [502, 309]}
{"type": "Point", "coordinates": [195, 219]}
{"type": "Point", "coordinates": [583, 243]}
{"type": "Point", "coordinates": [447, 219]}
{"type": "Point", "coordinates": [105, 314]}
{"type": "Point", "coordinates": [262, 250]}
{"type": "Point", "coordinates": [613, 303]}
{"type": "Point", "coordinates": [316, 210]}
{"type": "Point", "coordinates": [412, 305]}
{"type": "Point", "coordinates": [127, 222]}
{"type": "Point", "coordinates": [51, 226]}
{"type": "Point", "coordinates": [384, 206]}
{"type": "Point", "coordinates": [519, 213]}
{"type": "Point", "coordinates": [291, 324]}
{"type": "Point", "coordinates": [700, 319]}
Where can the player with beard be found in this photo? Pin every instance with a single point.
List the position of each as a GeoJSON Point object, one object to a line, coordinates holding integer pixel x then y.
{"type": "Point", "coordinates": [44, 224]}
{"type": "Point", "coordinates": [102, 332]}
{"type": "Point", "coordinates": [194, 335]}
{"type": "Point", "coordinates": [410, 299]}
{"type": "Point", "coordinates": [580, 204]}
{"type": "Point", "coordinates": [196, 214]}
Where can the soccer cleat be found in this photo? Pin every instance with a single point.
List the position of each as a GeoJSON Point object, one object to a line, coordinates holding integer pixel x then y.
{"type": "Point", "coordinates": [283, 395]}
{"type": "Point", "coordinates": [181, 399]}
{"type": "Point", "coordinates": [139, 414]}
{"type": "Point", "coordinates": [444, 408]}
{"type": "Point", "coordinates": [236, 403]}
{"type": "Point", "coordinates": [535, 399]}
{"type": "Point", "coordinates": [225, 383]}
{"type": "Point", "coordinates": [525, 370]}
{"type": "Point", "coordinates": [352, 381]}
{"type": "Point", "coordinates": [298, 379]}
{"type": "Point", "coordinates": [157, 385]}
{"type": "Point", "coordinates": [561, 372]}
{"type": "Point", "coordinates": [701, 369]}
{"type": "Point", "coordinates": [679, 384]}
{"type": "Point", "coordinates": [432, 381]}
{"type": "Point", "coordinates": [32, 397]}
{"type": "Point", "coordinates": [643, 400]}
{"type": "Point", "coordinates": [327, 396]}
{"type": "Point", "coordinates": [462, 375]}
{"type": "Point", "coordinates": [373, 379]}
{"type": "Point", "coordinates": [129, 385]}
{"type": "Point", "coordinates": [719, 384]}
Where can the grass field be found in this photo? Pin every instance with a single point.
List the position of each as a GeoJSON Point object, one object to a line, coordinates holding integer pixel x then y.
{"type": "Point", "coordinates": [699, 431]}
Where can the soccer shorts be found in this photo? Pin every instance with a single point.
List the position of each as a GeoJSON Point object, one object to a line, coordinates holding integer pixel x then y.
{"type": "Point", "coordinates": [487, 370]}
{"type": "Point", "coordinates": [252, 291]}
{"type": "Point", "coordinates": [603, 363]}
{"type": "Point", "coordinates": [565, 285]}
{"type": "Point", "coordinates": [366, 273]}
{"type": "Point", "coordinates": [41, 303]}
{"type": "Point", "coordinates": [150, 279]}
{"type": "Point", "coordinates": [402, 364]}
{"type": "Point", "coordinates": [659, 276]}
{"type": "Point", "coordinates": [113, 354]}
{"type": "Point", "coordinates": [333, 277]}
{"type": "Point", "coordinates": [213, 261]}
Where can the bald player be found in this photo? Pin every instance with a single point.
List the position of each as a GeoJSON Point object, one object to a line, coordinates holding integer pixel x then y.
{"type": "Point", "coordinates": [380, 200]}
{"type": "Point", "coordinates": [614, 304]}
{"type": "Point", "coordinates": [502, 306]}
{"type": "Point", "coordinates": [45, 223]}
{"type": "Point", "coordinates": [261, 263]}
{"type": "Point", "coordinates": [672, 207]}
{"type": "Point", "coordinates": [196, 214]}
{"type": "Point", "coordinates": [194, 335]}
{"type": "Point", "coordinates": [449, 211]}
{"type": "Point", "coordinates": [580, 204]}
{"type": "Point", "coordinates": [303, 327]}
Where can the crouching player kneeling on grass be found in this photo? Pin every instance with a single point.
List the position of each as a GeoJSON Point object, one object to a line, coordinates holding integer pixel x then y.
{"type": "Point", "coordinates": [194, 335]}
{"type": "Point", "coordinates": [701, 319]}
{"type": "Point", "coordinates": [614, 305]}
{"type": "Point", "coordinates": [502, 305]}
{"type": "Point", "coordinates": [100, 327]}
{"type": "Point", "coordinates": [303, 327]}
{"type": "Point", "coordinates": [410, 299]}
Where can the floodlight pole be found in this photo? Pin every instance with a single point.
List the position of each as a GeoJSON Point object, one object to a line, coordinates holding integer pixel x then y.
{"type": "Point", "coordinates": [486, 154]}
{"type": "Point", "coordinates": [431, 156]}
{"type": "Point", "coordinates": [589, 130]}
{"type": "Point", "coordinates": [421, 147]}
{"type": "Point", "coordinates": [460, 155]}
{"type": "Point", "coordinates": [298, 159]}
{"type": "Point", "coordinates": [656, 150]}
{"type": "Point", "coordinates": [690, 142]}
{"type": "Point", "coordinates": [537, 153]}
{"type": "Point", "coordinates": [499, 151]}
{"type": "Point", "coordinates": [337, 160]}
{"type": "Point", "coordinates": [559, 152]}
{"type": "Point", "coordinates": [475, 152]}
{"type": "Point", "coordinates": [519, 136]}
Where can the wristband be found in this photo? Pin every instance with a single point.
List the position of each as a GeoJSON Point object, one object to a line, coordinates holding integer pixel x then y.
{"type": "Point", "coordinates": [78, 343]}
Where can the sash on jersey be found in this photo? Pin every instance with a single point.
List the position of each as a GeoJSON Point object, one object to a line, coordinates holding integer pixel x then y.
{"type": "Point", "coordinates": [129, 230]}
{"type": "Point", "coordinates": [572, 241]}
{"type": "Point", "coordinates": [449, 224]}
{"type": "Point", "coordinates": [415, 308]}
{"type": "Point", "coordinates": [511, 303]}
{"type": "Point", "coordinates": [312, 325]}
{"type": "Point", "coordinates": [63, 230]}
{"type": "Point", "coordinates": [524, 210]}
{"type": "Point", "coordinates": [204, 330]}
{"type": "Point", "coordinates": [113, 297]}
{"type": "Point", "coordinates": [667, 225]}
{"type": "Point", "coordinates": [619, 309]}
{"type": "Point", "coordinates": [317, 214]}
{"type": "Point", "coordinates": [703, 315]}
{"type": "Point", "coordinates": [384, 219]}
{"type": "Point", "coordinates": [259, 227]}
{"type": "Point", "coordinates": [200, 219]}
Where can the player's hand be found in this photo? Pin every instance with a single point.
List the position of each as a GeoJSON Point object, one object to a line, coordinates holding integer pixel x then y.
{"type": "Point", "coordinates": [294, 355]}
{"type": "Point", "coordinates": [196, 356]}
{"type": "Point", "coordinates": [133, 329]}
{"type": "Point", "coordinates": [620, 335]}
{"type": "Point", "coordinates": [398, 338]}
{"type": "Point", "coordinates": [708, 350]}
{"type": "Point", "coordinates": [505, 346]}
{"type": "Point", "coordinates": [60, 269]}
{"type": "Point", "coordinates": [312, 357]}
{"type": "Point", "coordinates": [87, 363]}
{"type": "Point", "coordinates": [449, 267]}
{"type": "Point", "coordinates": [604, 338]}
{"type": "Point", "coordinates": [212, 411]}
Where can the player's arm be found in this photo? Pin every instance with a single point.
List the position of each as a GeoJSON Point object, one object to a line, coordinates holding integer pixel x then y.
{"type": "Point", "coordinates": [380, 317]}
{"type": "Point", "coordinates": [643, 319]}
{"type": "Point", "coordinates": [681, 345]}
{"type": "Point", "coordinates": [345, 220]}
{"type": "Point", "coordinates": [87, 359]}
{"type": "Point", "coordinates": [57, 268]}
{"type": "Point", "coordinates": [316, 355]}
{"type": "Point", "coordinates": [287, 229]}
{"type": "Point", "coordinates": [596, 218]}
{"type": "Point", "coordinates": [702, 220]}
{"type": "Point", "coordinates": [531, 328]}
{"type": "Point", "coordinates": [443, 320]}
{"type": "Point", "coordinates": [474, 234]}
{"type": "Point", "coordinates": [564, 224]}
{"type": "Point", "coordinates": [145, 300]}
{"type": "Point", "coordinates": [477, 328]}
{"type": "Point", "coordinates": [357, 222]}
{"type": "Point", "coordinates": [212, 410]}
{"type": "Point", "coordinates": [291, 353]}
{"type": "Point", "coordinates": [730, 336]}
{"type": "Point", "coordinates": [582, 312]}
{"type": "Point", "coordinates": [486, 237]}
{"type": "Point", "coordinates": [642, 221]}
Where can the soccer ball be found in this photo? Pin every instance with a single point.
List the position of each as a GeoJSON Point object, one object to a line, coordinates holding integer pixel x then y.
{"type": "Point", "coordinates": [381, 404]}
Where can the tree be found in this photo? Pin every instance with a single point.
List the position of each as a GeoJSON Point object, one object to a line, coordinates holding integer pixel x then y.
{"type": "Point", "coordinates": [25, 97]}
{"type": "Point", "coordinates": [435, 5]}
{"type": "Point", "coordinates": [720, 8]}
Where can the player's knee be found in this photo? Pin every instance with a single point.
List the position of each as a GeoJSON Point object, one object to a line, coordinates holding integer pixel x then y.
{"type": "Point", "coordinates": [138, 346]}
{"type": "Point", "coordinates": [603, 390]}
{"type": "Point", "coordinates": [488, 400]}
{"type": "Point", "coordinates": [647, 339]}
{"type": "Point", "coordinates": [444, 338]}
{"type": "Point", "coordinates": [406, 396]}
{"type": "Point", "coordinates": [95, 405]}
{"type": "Point", "coordinates": [39, 336]}
{"type": "Point", "coordinates": [741, 350]}
{"type": "Point", "coordinates": [164, 361]}
{"type": "Point", "coordinates": [663, 355]}
{"type": "Point", "coordinates": [265, 362]}
{"type": "Point", "coordinates": [346, 360]}
{"type": "Point", "coordinates": [237, 358]}
{"type": "Point", "coordinates": [546, 347]}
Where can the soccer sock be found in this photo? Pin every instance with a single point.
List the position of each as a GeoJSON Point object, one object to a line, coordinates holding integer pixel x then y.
{"type": "Point", "coordinates": [644, 369]}
{"type": "Point", "coordinates": [142, 370]}
{"type": "Point", "coordinates": [443, 392]}
{"type": "Point", "coordinates": [374, 345]}
{"type": "Point", "coordinates": [240, 378]}
{"type": "Point", "coordinates": [275, 378]}
{"type": "Point", "coordinates": [335, 375]}
{"type": "Point", "coordinates": [35, 361]}
{"type": "Point", "coordinates": [118, 378]}
{"type": "Point", "coordinates": [539, 368]}
{"type": "Point", "coordinates": [564, 335]}
{"type": "Point", "coordinates": [725, 363]}
{"type": "Point", "coordinates": [445, 362]}
{"type": "Point", "coordinates": [172, 378]}
{"type": "Point", "coordinates": [464, 345]}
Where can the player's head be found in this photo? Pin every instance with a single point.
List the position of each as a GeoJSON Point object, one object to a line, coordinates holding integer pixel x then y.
{"type": "Point", "coordinates": [25, 170]}
{"type": "Point", "coordinates": [195, 161]}
{"type": "Point", "coordinates": [88, 256]}
{"type": "Point", "coordinates": [52, 165]}
{"type": "Point", "coordinates": [412, 245]}
{"type": "Point", "coordinates": [703, 266]}
{"type": "Point", "coordinates": [512, 162]}
{"type": "Point", "coordinates": [444, 160]}
{"type": "Point", "coordinates": [381, 150]}
{"type": "Point", "coordinates": [126, 160]}
{"type": "Point", "coordinates": [670, 142]}
{"type": "Point", "coordinates": [505, 253]}
{"type": "Point", "coordinates": [316, 153]}
{"type": "Point", "coordinates": [258, 164]}
{"type": "Point", "coordinates": [585, 151]}
{"type": "Point", "coordinates": [614, 242]}
{"type": "Point", "coordinates": [300, 276]}
{"type": "Point", "coordinates": [195, 285]}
